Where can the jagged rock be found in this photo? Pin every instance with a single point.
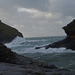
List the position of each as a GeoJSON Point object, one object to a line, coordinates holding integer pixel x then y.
{"type": "Point", "coordinates": [70, 29]}
{"type": "Point", "coordinates": [7, 33]}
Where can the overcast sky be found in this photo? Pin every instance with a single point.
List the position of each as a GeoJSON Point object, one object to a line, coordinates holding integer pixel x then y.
{"type": "Point", "coordinates": [38, 18]}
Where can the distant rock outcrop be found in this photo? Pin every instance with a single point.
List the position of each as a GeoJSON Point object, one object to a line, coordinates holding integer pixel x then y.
{"type": "Point", "coordinates": [7, 33]}
{"type": "Point", "coordinates": [68, 42]}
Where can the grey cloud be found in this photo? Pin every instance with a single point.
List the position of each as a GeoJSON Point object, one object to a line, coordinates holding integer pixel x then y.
{"type": "Point", "coordinates": [62, 12]}
{"type": "Point", "coordinates": [65, 7]}
{"type": "Point", "coordinates": [36, 4]}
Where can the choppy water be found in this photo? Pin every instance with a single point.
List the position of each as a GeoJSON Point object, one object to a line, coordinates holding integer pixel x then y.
{"type": "Point", "coordinates": [61, 57]}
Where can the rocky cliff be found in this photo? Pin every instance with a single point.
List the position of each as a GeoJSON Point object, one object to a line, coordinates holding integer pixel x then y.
{"type": "Point", "coordinates": [7, 33]}
{"type": "Point", "coordinates": [68, 42]}
{"type": "Point", "coordinates": [70, 29]}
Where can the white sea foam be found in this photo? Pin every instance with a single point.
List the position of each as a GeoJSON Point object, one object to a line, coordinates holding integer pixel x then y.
{"type": "Point", "coordinates": [16, 42]}
{"type": "Point", "coordinates": [45, 51]}
{"type": "Point", "coordinates": [35, 40]}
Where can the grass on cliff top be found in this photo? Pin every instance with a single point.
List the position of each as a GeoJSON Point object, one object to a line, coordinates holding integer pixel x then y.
{"type": "Point", "coordinates": [7, 30]}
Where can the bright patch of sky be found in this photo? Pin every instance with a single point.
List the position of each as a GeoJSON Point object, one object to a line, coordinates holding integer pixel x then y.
{"type": "Point", "coordinates": [38, 18]}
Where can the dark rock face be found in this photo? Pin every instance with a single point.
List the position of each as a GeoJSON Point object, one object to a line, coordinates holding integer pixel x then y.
{"type": "Point", "coordinates": [14, 64]}
{"type": "Point", "coordinates": [6, 54]}
{"type": "Point", "coordinates": [70, 29]}
{"type": "Point", "coordinates": [7, 33]}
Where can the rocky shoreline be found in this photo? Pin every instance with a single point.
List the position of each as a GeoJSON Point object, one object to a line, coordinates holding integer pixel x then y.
{"type": "Point", "coordinates": [68, 42]}
{"type": "Point", "coordinates": [14, 64]}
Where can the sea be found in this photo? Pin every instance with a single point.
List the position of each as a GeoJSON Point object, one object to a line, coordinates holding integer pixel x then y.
{"type": "Point", "coordinates": [60, 57]}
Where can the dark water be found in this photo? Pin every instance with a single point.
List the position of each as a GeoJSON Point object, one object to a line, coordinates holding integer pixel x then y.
{"type": "Point", "coordinates": [61, 57]}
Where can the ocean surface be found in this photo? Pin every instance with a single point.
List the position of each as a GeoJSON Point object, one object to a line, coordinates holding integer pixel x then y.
{"type": "Point", "coordinates": [60, 57]}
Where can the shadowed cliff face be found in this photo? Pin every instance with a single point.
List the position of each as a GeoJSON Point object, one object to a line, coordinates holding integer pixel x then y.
{"type": "Point", "coordinates": [7, 33]}
{"type": "Point", "coordinates": [70, 29]}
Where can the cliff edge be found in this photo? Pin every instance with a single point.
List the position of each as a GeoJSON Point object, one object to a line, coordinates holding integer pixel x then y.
{"type": "Point", "coordinates": [68, 42]}
{"type": "Point", "coordinates": [7, 33]}
{"type": "Point", "coordinates": [70, 29]}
